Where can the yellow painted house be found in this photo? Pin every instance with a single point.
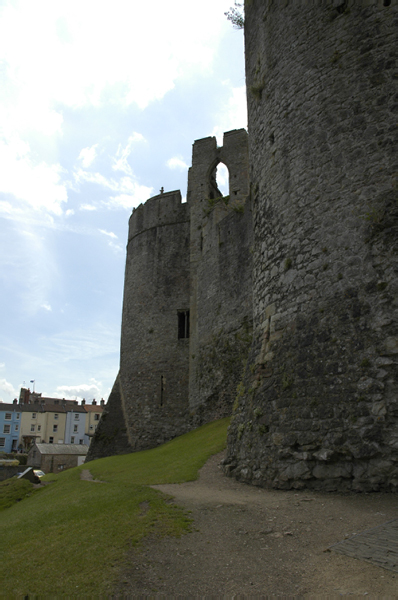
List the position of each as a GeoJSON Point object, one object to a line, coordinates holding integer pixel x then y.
{"type": "Point", "coordinates": [94, 412]}
{"type": "Point", "coordinates": [42, 424]}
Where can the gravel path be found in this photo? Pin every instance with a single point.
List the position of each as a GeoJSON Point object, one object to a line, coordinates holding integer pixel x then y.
{"type": "Point", "coordinates": [255, 542]}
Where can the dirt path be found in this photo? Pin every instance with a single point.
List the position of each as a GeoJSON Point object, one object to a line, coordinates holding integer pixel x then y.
{"type": "Point", "coordinates": [256, 542]}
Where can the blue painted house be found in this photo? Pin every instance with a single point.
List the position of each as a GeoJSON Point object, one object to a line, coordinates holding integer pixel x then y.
{"type": "Point", "coordinates": [10, 425]}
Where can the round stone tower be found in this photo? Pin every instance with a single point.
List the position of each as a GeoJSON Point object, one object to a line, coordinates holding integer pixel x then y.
{"type": "Point", "coordinates": [318, 406]}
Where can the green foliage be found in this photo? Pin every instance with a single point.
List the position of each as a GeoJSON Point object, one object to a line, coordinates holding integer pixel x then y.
{"type": "Point", "coordinates": [89, 527]}
{"type": "Point", "coordinates": [14, 490]}
{"type": "Point", "coordinates": [257, 89]}
{"type": "Point", "coordinates": [365, 364]}
{"type": "Point", "coordinates": [213, 202]}
{"type": "Point", "coordinates": [257, 413]}
{"type": "Point", "coordinates": [173, 462]}
{"type": "Point", "coordinates": [288, 264]}
{"type": "Point", "coordinates": [262, 429]}
{"type": "Point", "coordinates": [236, 16]}
{"type": "Point", "coordinates": [287, 381]}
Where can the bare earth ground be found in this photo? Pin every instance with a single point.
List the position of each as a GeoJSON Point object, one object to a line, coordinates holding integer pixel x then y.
{"type": "Point", "coordinates": [256, 542]}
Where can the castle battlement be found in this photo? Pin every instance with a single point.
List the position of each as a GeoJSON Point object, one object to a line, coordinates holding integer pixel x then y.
{"type": "Point", "coordinates": [166, 208]}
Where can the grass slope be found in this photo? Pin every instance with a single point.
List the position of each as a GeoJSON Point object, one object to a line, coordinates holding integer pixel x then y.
{"type": "Point", "coordinates": [71, 537]}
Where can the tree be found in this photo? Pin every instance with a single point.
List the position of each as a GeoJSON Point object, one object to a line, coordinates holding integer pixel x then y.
{"type": "Point", "coordinates": [236, 15]}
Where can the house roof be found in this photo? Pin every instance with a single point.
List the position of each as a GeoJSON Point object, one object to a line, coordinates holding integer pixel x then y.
{"type": "Point", "coordinates": [75, 409]}
{"type": "Point", "coordinates": [94, 408]}
{"type": "Point", "coordinates": [8, 407]}
{"type": "Point", "coordinates": [79, 449]}
{"type": "Point", "coordinates": [41, 408]}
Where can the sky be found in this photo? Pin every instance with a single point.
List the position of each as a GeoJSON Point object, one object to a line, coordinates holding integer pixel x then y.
{"type": "Point", "coordinates": [100, 103]}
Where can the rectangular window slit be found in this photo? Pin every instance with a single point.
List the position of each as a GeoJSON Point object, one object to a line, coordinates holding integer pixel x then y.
{"type": "Point", "coordinates": [183, 324]}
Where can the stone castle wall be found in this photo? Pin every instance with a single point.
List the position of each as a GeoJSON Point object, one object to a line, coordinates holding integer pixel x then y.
{"type": "Point", "coordinates": [220, 266]}
{"type": "Point", "coordinates": [153, 359]}
{"type": "Point", "coordinates": [318, 406]}
{"type": "Point", "coordinates": [183, 259]}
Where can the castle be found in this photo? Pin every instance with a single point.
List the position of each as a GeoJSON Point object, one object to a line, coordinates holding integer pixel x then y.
{"type": "Point", "coordinates": [187, 307]}
{"type": "Point", "coordinates": [289, 286]}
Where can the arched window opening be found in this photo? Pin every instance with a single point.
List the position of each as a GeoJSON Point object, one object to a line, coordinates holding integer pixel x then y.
{"type": "Point", "coordinates": [219, 182]}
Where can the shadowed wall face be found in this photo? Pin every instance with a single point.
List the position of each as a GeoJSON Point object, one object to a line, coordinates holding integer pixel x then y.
{"type": "Point", "coordinates": [318, 405]}
{"type": "Point", "coordinates": [187, 308]}
{"type": "Point", "coordinates": [154, 352]}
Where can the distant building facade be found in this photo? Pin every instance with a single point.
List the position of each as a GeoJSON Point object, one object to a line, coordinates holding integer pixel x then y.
{"type": "Point", "coordinates": [39, 419]}
{"type": "Point", "coordinates": [53, 458]}
{"type": "Point", "coordinates": [10, 424]}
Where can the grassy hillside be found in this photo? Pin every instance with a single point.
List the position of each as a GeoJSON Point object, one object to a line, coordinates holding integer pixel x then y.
{"type": "Point", "coordinates": [71, 537]}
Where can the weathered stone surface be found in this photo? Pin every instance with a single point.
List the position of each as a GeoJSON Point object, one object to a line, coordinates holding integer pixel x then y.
{"type": "Point", "coordinates": [322, 86]}
{"type": "Point", "coordinates": [184, 257]}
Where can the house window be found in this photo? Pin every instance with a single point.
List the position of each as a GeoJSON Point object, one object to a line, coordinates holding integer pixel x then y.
{"type": "Point", "coordinates": [80, 441]}
{"type": "Point", "coordinates": [55, 428]}
{"type": "Point", "coordinates": [72, 439]}
{"type": "Point", "coordinates": [61, 467]}
{"type": "Point", "coordinates": [8, 417]}
{"type": "Point", "coordinates": [56, 401]}
{"type": "Point", "coordinates": [17, 415]}
{"type": "Point", "coordinates": [2, 442]}
{"type": "Point", "coordinates": [39, 428]}
{"type": "Point", "coordinates": [7, 429]}
{"type": "Point", "coordinates": [74, 427]}
{"type": "Point", "coordinates": [183, 324]}
{"type": "Point", "coordinates": [32, 427]}
{"type": "Point", "coordinates": [33, 415]}
{"type": "Point", "coordinates": [51, 440]}
{"type": "Point", "coordinates": [76, 417]}
{"type": "Point", "coordinates": [56, 416]}
{"type": "Point", "coordinates": [16, 427]}
{"type": "Point", "coordinates": [91, 427]}
{"type": "Point", "coordinates": [96, 417]}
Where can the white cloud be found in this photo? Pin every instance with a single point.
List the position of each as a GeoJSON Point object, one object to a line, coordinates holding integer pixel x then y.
{"type": "Point", "coordinates": [87, 207]}
{"type": "Point", "coordinates": [129, 193]}
{"type": "Point", "coordinates": [36, 271]}
{"type": "Point", "coordinates": [5, 207]}
{"type": "Point", "coordinates": [233, 115]}
{"type": "Point", "coordinates": [69, 212]}
{"type": "Point", "coordinates": [177, 163]}
{"type": "Point", "coordinates": [116, 248]}
{"type": "Point", "coordinates": [80, 66]}
{"type": "Point", "coordinates": [109, 233]}
{"type": "Point", "coordinates": [7, 391]}
{"type": "Point", "coordinates": [120, 162]}
{"type": "Point", "coordinates": [88, 156]}
{"type": "Point", "coordinates": [36, 183]}
{"type": "Point", "coordinates": [88, 391]}
{"type": "Point", "coordinates": [222, 178]}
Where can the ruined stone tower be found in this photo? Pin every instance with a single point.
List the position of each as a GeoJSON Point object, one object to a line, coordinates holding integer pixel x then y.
{"type": "Point", "coordinates": [187, 306]}
{"type": "Point", "coordinates": [318, 406]}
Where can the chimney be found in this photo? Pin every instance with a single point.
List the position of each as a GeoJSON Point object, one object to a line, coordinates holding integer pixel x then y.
{"type": "Point", "coordinates": [94, 402]}
{"type": "Point", "coordinates": [15, 401]}
{"type": "Point", "coordinates": [83, 402]}
{"type": "Point", "coordinates": [102, 402]}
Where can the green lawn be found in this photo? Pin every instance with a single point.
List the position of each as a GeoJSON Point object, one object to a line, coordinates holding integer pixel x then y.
{"type": "Point", "coordinates": [71, 537]}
